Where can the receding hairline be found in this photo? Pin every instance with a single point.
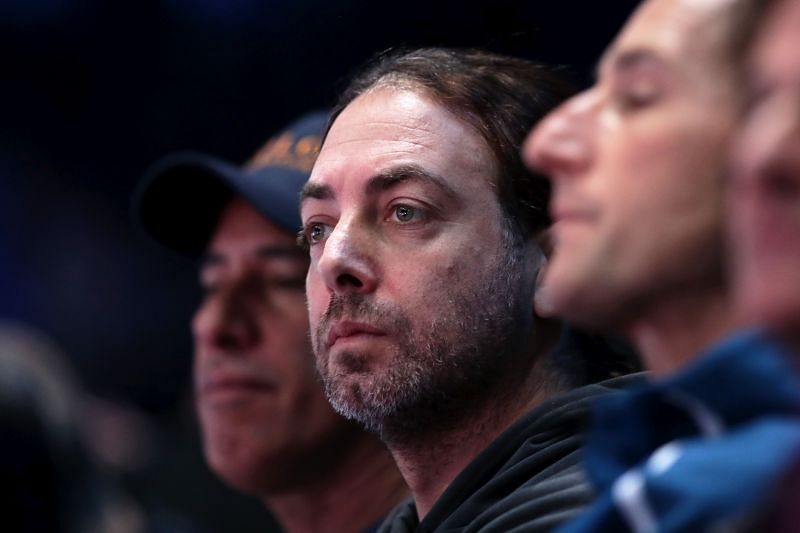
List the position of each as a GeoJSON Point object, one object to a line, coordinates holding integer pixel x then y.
{"type": "Point", "coordinates": [399, 81]}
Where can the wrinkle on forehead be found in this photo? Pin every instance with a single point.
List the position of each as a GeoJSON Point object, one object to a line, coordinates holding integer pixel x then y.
{"type": "Point", "coordinates": [676, 24]}
{"type": "Point", "coordinates": [689, 34]}
{"type": "Point", "coordinates": [412, 145]}
{"type": "Point", "coordinates": [414, 123]}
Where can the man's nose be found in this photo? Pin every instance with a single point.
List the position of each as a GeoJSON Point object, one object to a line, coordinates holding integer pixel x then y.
{"type": "Point", "coordinates": [560, 146]}
{"type": "Point", "coordinates": [225, 320]}
{"type": "Point", "coordinates": [347, 263]}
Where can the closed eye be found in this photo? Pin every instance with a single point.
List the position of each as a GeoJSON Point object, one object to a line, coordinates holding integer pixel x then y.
{"type": "Point", "coordinates": [290, 282]}
{"type": "Point", "coordinates": [636, 96]}
{"type": "Point", "coordinates": [208, 289]}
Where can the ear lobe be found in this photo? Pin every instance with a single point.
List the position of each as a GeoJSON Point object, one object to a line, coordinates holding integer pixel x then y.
{"type": "Point", "coordinates": [541, 302]}
{"type": "Point", "coordinates": [542, 305]}
{"type": "Point", "coordinates": [540, 272]}
{"type": "Point", "coordinates": [544, 241]}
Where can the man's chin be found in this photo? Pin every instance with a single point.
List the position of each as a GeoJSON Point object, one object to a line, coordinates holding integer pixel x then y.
{"type": "Point", "coordinates": [351, 362]}
{"type": "Point", "coordinates": [350, 396]}
{"type": "Point", "coordinates": [348, 377]}
{"type": "Point", "coordinates": [345, 393]}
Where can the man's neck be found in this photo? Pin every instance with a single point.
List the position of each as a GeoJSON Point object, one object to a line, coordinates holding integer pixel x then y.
{"type": "Point", "coordinates": [431, 461]}
{"type": "Point", "coordinates": [674, 331]}
{"type": "Point", "coordinates": [362, 490]}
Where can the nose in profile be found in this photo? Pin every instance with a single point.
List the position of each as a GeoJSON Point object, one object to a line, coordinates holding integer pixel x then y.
{"type": "Point", "coordinates": [225, 319]}
{"type": "Point", "coordinates": [560, 145]}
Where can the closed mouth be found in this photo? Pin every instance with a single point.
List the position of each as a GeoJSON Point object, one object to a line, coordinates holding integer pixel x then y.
{"type": "Point", "coordinates": [349, 330]}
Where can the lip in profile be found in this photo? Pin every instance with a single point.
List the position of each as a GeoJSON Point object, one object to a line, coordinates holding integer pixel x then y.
{"type": "Point", "coordinates": [569, 217]}
{"type": "Point", "coordinates": [567, 213]}
{"type": "Point", "coordinates": [348, 329]}
{"type": "Point", "coordinates": [222, 385]}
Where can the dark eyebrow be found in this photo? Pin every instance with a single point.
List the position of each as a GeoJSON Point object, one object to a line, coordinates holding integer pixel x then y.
{"type": "Point", "coordinates": [383, 182]}
{"type": "Point", "coordinates": [212, 259]}
{"type": "Point", "coordinates": [317, 191]}
{"type": "Point", "coordinates": [208, 260]}
{"type": "Point", "coordinates": [627, 60]}
{"type": "Point", "coordinates": [290, 251]}
{"type": "Point", "coordinates": [404, 174]}
{"type": "Point", "coordinates": [633, 58]}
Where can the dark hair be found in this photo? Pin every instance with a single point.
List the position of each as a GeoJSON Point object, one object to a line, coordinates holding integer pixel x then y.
{"type": "Point", "coordinates": [502, 97]}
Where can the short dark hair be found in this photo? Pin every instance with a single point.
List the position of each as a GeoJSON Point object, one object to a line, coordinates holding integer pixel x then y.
{"type": "Point", "coordinates": [502, 97]}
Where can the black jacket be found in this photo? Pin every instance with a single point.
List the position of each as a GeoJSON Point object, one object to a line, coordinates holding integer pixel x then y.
{"type": "Point", "coordinates": [528, 479]}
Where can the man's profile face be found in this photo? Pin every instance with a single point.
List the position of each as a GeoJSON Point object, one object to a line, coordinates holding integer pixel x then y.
{"type": "Point", "coordinates": [765, 208]}
{"type": "Point", "coordinates": [635, 163]}
{"type": "Point", "coordinates": [261, 409]}
{"type": "Point", "coordinates": [411, 274]}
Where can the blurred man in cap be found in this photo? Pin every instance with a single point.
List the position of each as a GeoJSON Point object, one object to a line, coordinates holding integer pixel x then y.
{"type": "Point", "coordinates": [267, 428]}
{"type": "Point", "coordinates": [638, 164]}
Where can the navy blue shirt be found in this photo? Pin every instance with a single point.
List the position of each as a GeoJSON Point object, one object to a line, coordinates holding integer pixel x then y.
{"type": "Point", "coordinates": [705, 448]}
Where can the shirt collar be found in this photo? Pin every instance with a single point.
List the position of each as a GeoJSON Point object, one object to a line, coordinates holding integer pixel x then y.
{"type": "Point", "coordinates": [742, 378]}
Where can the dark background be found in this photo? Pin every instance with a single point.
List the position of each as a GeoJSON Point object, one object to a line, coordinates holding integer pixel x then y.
{"type": "Point", "coordinates": [93, 91]}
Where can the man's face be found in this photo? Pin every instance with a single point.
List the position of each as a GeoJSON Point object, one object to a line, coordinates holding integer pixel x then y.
{"type": "Point", "coordinates": [765, 207]}
{"type": "Point", "coordinates": [635, 163]}
{"type": "Point", "coordinates": [263, 414]}
{"type": "Point", "coordinates": [414, 292]}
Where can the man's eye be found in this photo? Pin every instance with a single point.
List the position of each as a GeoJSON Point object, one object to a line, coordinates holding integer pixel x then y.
{"type": "Point", "coordinates": [208, 289]}
{"type": "Point", "coordinates": [295, 282]}
{"type": "Point", "coordinates": [315, 233]}
{"type": "Point", "coordinates": [636, 98]}
{"type": "Point", "coordinates": [405, 213]}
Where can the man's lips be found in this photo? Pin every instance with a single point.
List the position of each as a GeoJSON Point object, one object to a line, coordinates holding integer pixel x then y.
{"type": "Point", "coordinates": [571, 214]}
{"type": "Point", "coordinates": [346, 330]}
{"type": "Point", "coordinates": [227, 384]}
{"type": "Point", "coordinates": [568, 218]}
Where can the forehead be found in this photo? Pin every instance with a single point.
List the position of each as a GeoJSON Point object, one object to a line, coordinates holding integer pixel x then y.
{"type": "Point", "coordinates": [390, 127]}
{"type": "Point", "coordinates": [687, 31]}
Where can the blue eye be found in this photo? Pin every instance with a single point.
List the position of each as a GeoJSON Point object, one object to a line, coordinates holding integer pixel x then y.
{"type": "Point", "coordinates": [406, 213]}
{"type": "Point", "coordinates": [316, 233]}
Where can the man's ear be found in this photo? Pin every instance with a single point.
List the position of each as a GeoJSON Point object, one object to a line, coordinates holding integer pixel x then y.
{"type": "Point", "coordinates": [541, 304]}
{"type": "Point", "coordinates": [544, 243]}
{"type": "Point", "coordinates": [547, 327]}
{"type": "Point", "coordinates": [544, 240]}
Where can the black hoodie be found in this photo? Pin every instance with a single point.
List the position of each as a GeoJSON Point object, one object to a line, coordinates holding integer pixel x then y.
{"type": "Point", "coordinates": [528, 479]}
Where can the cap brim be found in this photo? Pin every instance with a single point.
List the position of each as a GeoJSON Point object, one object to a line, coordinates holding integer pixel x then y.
{"type": "Point", "coordinates": [181, 197]}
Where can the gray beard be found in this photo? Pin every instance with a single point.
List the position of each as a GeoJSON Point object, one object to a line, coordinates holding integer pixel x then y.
{"type": "Point", "coordinates": [473, 352]}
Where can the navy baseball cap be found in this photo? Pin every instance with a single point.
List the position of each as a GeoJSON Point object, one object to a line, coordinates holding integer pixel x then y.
{"type": "Point", "coordinates": [181, 197]}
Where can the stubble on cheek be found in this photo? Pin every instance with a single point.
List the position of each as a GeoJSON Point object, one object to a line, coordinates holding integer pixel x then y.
{"type": "Point", "coordinates": [356, 307]}
{"type": "Point", "coordinates": [463, 311]}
